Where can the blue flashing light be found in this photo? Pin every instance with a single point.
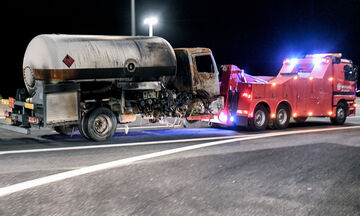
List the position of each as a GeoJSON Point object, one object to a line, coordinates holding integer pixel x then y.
{"type": "Point", "coordinates": [232, 118]}
{"type": "Point", "coordinates": [294, 61]}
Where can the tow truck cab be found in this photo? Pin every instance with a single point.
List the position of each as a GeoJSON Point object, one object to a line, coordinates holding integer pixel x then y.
{"type": "Point", "coordinates": [321, 85]}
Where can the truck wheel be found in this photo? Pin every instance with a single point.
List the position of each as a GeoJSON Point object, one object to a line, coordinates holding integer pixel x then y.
{"type": "Point", "coordinates": [260, 119]}
{"type": "Point", "coordinates": [300, 119]}
{"type": "Point", "coordinates": [82, 125]}
{"type": "Point", "coordinates": [64, 130]}
{"type": "Point", "coordinates": [282, 117]}
{"type": "Point", "coordinates": [100, 125]}
{"type": "Point", "coordinates": [340, 115]}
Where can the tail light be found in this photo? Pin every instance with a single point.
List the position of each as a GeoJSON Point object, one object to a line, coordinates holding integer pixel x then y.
{"type": "Point", "coordinates": [33, 120]}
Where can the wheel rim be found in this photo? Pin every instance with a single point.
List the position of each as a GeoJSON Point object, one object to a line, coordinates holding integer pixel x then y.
{"type": "Point", "coordinates": [102, 125]}
{"type": "Point", "coordinates": [282, 116]}
{"type": "Point", "coordinates": [340, 113]}
{"type": "Point", "coordinates": [259, 118]}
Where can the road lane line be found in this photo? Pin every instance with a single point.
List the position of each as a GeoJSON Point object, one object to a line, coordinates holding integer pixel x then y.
{"type": "Point", "coordinates": [122, 162]}
{"type": "Point", "coordinates": [118, 145]}
{"type": "Point", "coordinates": [145, 127]}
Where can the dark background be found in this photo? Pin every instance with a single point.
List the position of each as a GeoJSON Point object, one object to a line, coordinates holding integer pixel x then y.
{"type": "Point", "coordinates": [254, 35]}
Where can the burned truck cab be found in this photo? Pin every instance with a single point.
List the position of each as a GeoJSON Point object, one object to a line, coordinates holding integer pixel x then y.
{"type": "Point", "coordinates": [196, 71]}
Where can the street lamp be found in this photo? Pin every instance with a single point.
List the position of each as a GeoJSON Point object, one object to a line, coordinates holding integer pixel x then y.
{"type": "Point", "coordinates": [151, 21]}
{"type": "Point", "coordinates": [132, 11]}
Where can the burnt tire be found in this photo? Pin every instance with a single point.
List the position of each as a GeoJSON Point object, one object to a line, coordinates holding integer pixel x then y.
{"type": "Point", "coordinates": [282, 117]}
{"type": "Point", "coordinates": [100, 125]}
{"type": "Point", "coordinates": [300, 119]}
{"type": "Point", "coordinates": [340, 115]}
{"type": "Point", "coordinates": [260, 119]}
{"type": "Point", "coordinates": [64, 130]}
{"type": "Point", "coordinates": [82, 125]}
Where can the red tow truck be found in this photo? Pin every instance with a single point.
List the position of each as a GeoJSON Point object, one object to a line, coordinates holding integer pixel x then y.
{"type": "Point", "coordinates": [319, 85]}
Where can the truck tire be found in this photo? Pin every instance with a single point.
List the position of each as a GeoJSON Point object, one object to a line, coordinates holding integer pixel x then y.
{"type": "Point", "coordinates": [340, 115]}
{"type": "Point", "coordinates": [260, 120]}
{"type": "Point", "coordinates": [64, 130]}
{"type": "Point", "coordinates": [282, 117]}
{"type": "Point", "coordinates": [82, 125]}
{"type": "Point", "coordinates": [300, 119]}
{"type": "Point", "coordinates": [100, 125]}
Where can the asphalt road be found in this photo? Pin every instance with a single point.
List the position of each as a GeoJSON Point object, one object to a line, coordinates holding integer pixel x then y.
{"type": "Point", "coordinates": [307, 169]}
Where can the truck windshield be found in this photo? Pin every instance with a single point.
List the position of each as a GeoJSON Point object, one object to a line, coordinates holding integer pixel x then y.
{"type": "Point", "coordinates": [204, 64]}
{"type": "Point", "coordinates": [350, 73]}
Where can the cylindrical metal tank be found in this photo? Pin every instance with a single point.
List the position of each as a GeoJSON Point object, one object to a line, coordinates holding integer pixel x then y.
{"type": "Point", "coordinates": [53, 57]}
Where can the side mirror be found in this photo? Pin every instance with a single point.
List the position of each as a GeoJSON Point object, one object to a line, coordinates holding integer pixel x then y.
{"type": "Point", "coordinates": [356, 72]}
{"type": "Point", "coordinates": [350, 73]}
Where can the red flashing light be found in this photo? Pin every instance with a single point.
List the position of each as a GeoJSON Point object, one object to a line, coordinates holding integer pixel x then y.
{"type": "Point", "coordinates": [246, 95]}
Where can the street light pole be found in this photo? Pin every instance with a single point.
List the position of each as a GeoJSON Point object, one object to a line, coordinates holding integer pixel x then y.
{"type": "Point", "coordinates": [151, 21]}
{"type": "Point", "coordinates": [133, 18]}
{"type": "Point", "coordinates": [151, 31]}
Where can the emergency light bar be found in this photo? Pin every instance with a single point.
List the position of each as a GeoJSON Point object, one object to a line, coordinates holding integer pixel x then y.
{"type": "Point", "coordinates": [321, 55]}
{"type": "Point", "coordinates": [320, 60]}
{"type": "Point", "coordinates": [292, 61]}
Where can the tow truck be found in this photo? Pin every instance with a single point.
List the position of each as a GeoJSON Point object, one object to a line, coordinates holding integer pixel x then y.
{"type": "Point", "coordinates": [319, 85]}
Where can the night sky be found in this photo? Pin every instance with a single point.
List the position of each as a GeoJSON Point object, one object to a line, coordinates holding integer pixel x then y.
{"type": "Point", "coordinates": [254, 35]}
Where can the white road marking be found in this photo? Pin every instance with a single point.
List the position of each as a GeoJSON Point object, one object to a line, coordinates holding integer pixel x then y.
{"type": "Point", "coordinates": [118, 145]}
{"type": "Point", "coordinates": [122, 162]}
{"type": "Point", "coordinates": [354, 117]}
{"type": "Point", "coordinates": [146, 127]}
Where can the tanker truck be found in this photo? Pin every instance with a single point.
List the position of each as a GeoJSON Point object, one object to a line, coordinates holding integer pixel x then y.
{"type": "Point", "coordinates": [93, 83]}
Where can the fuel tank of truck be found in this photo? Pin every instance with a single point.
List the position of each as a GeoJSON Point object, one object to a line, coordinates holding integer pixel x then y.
{"type": "Point", "coordinates": [81, 58]}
